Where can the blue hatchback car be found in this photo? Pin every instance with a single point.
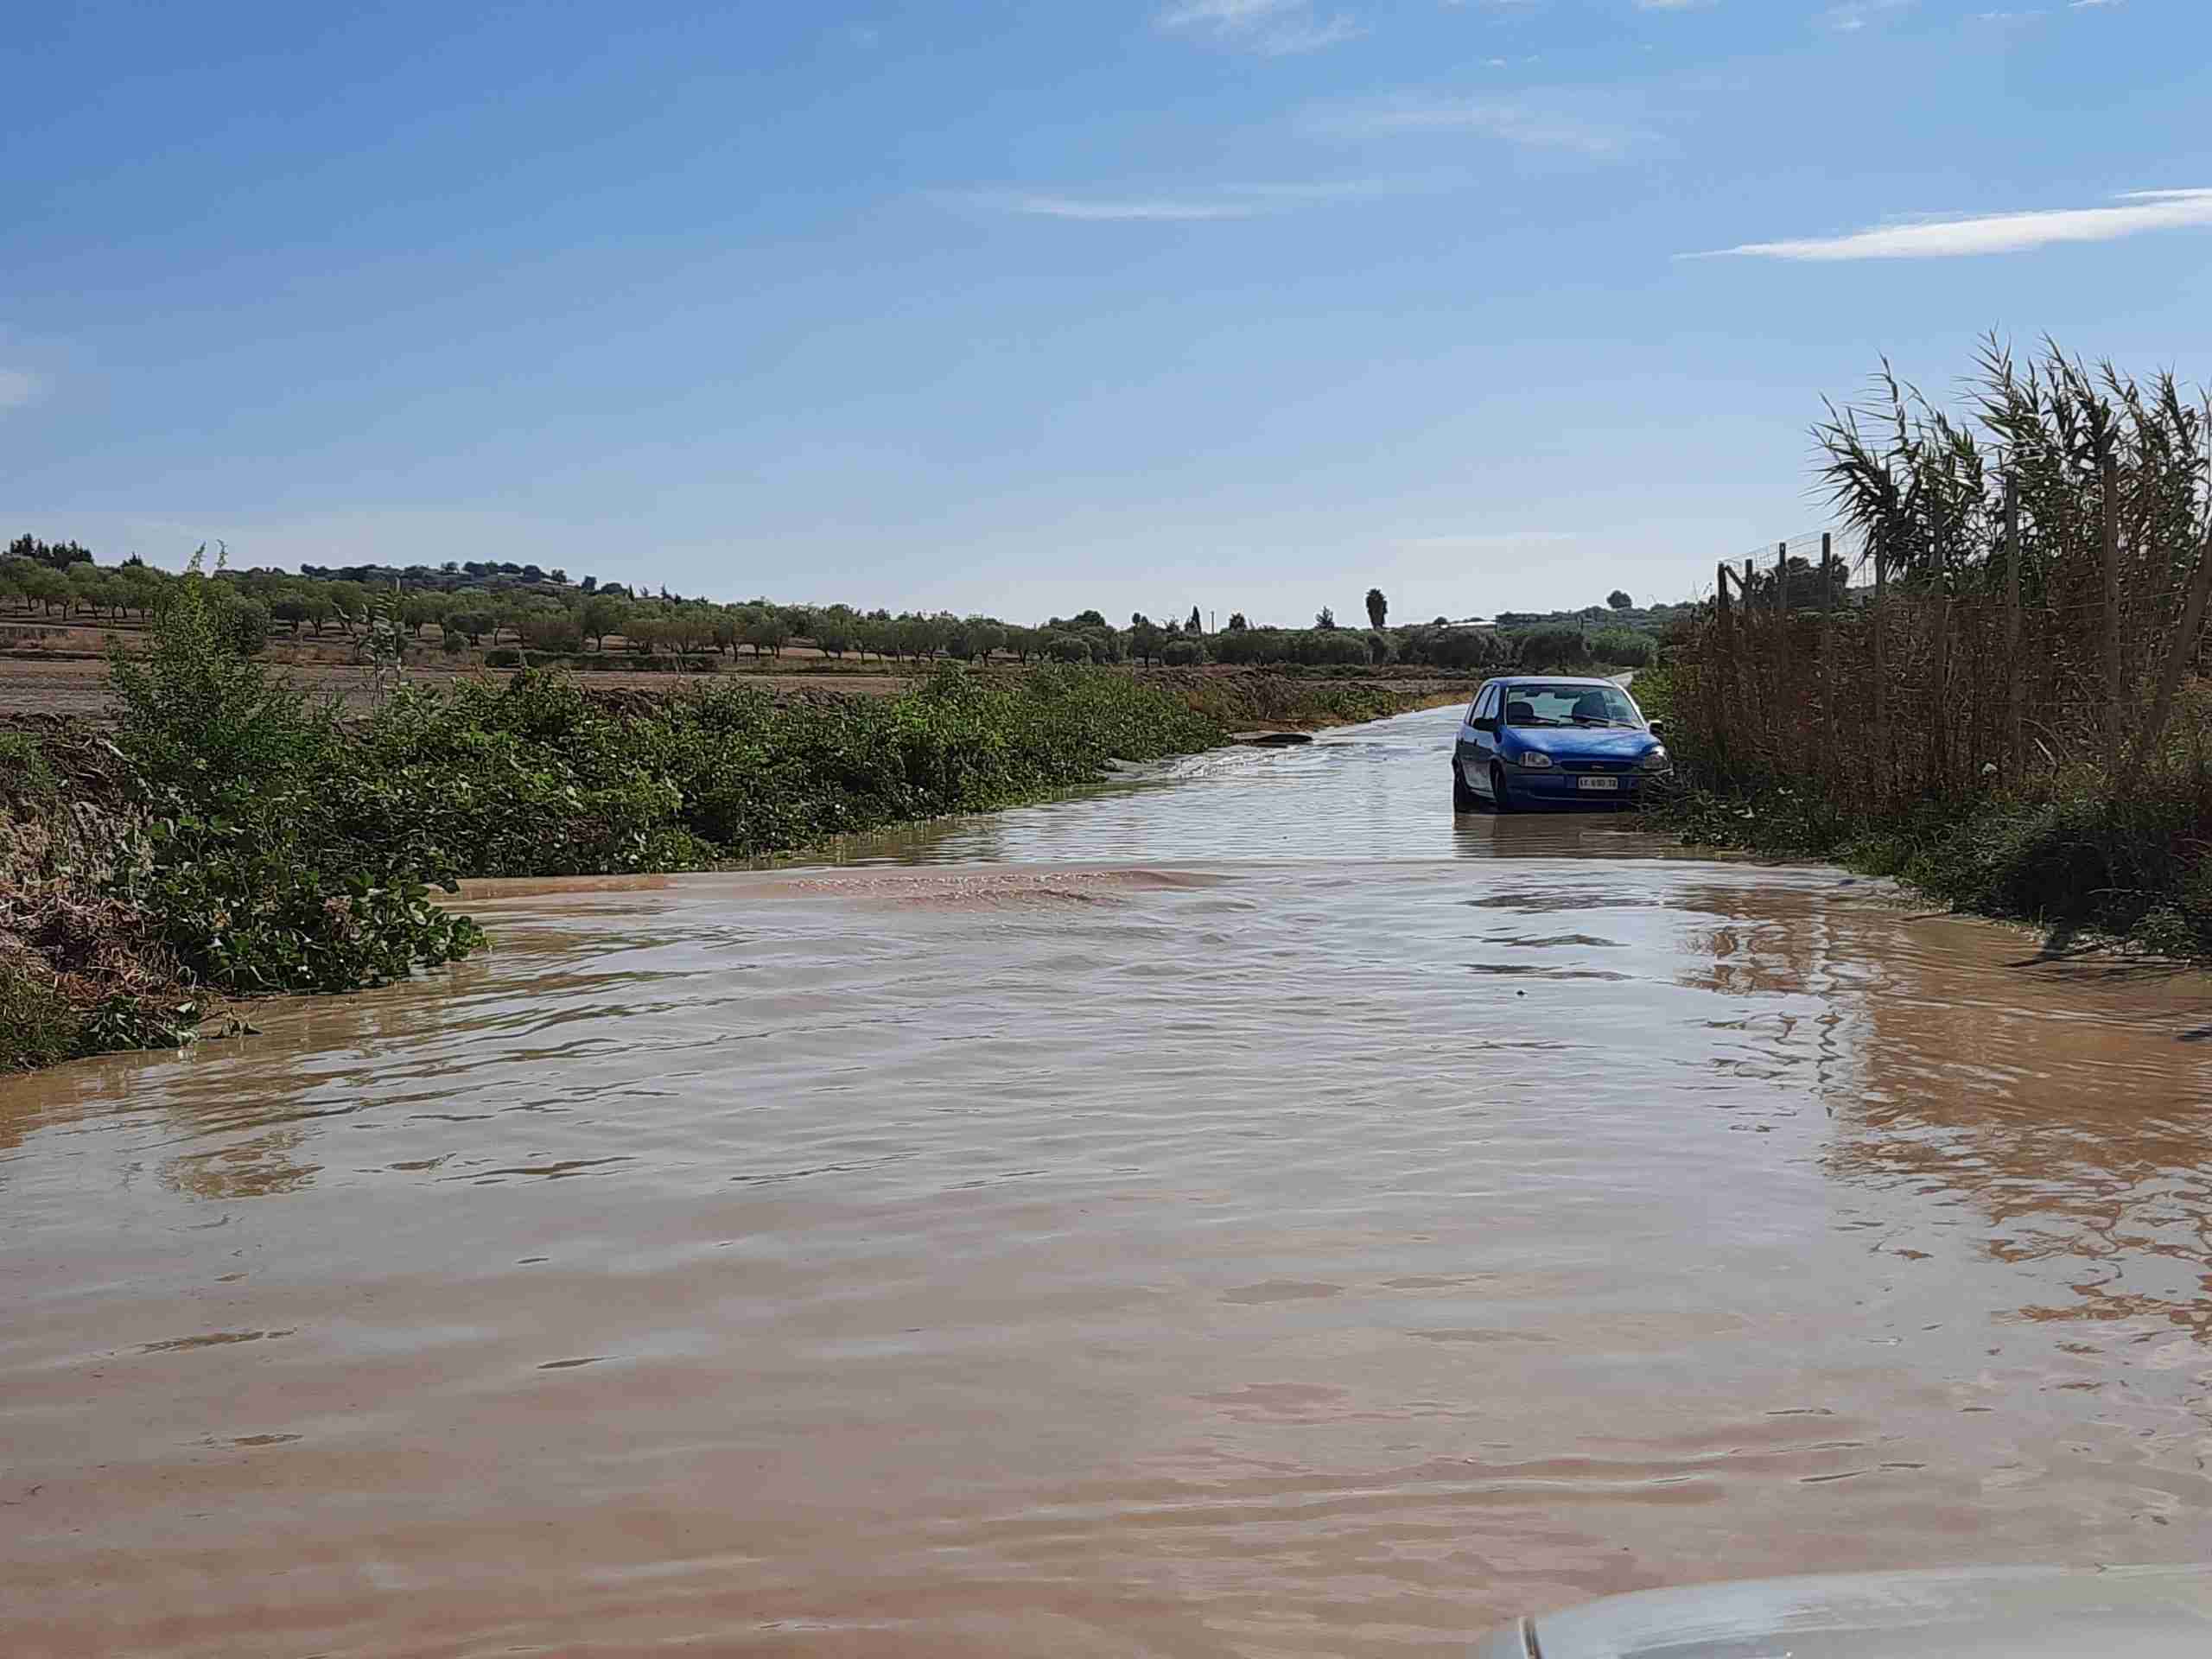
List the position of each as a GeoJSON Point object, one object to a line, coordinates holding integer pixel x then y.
{"type": "Point", "coordinates": [1548, 740]}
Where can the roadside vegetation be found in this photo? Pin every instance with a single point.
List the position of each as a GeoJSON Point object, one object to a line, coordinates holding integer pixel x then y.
{"type": "Point", "coordinates": [229, 836]}
{"type": "Point", "coordinates": [2008, 712]}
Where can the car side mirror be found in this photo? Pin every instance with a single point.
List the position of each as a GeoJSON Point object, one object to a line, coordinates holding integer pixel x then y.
{"type": "Point", "coordinates": [1487, 725]}
{"type": "Point", "coordinates": [1658, 727]}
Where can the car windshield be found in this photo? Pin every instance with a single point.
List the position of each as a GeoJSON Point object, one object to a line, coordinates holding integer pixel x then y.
{"type": "Point", "coordinates": [1569, 705]}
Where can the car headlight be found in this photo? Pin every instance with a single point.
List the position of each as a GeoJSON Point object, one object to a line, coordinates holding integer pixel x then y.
{"type": "Point", "coordinates": [1535, 759]}
{"type": "Point", "coordinates": [1658, 760]}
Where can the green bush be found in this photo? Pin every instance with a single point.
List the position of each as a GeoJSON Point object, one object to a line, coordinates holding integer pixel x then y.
{"type": "Point", "coordinates": [554, 633]}
{"type": "Point", "coordinates": [505, 657]}
{"type": "Point", "coordinates": [277, 861]}
{"type": "Point", "coordinates": [244, 625]}
{"type": "Point", "coordinates": [524, 777]}
{"type": "Point", "coordinates": [1460, 650]}
{"type": "Point", "coordinates": [1182, 653]}
{"type": "Point", "coordinates": [1623, 648]}
{"type": "Point", "coordinates": [1301, 647]}
{"type": "Point", "coordinates": [2132, 869]}
{"type": "Point", "coordinates": [1541, 649]}
{"type": "Point", "coordinates": [475, 624]}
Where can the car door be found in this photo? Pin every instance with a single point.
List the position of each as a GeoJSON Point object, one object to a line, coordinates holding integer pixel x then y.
{"type": "Point", "coordinates": [1474, 757]}
{"type": "Point", "coordinates": [1487, 729]}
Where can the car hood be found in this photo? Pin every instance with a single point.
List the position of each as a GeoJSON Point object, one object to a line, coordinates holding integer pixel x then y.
{"type": "Point", "coordinates": [1584, 742]}
{"type": "Point", "coordinates": [2028, 1612]}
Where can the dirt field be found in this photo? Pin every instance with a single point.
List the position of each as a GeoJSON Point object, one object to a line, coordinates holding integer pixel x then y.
{"type": "Point", "coordinates": [57, 670]}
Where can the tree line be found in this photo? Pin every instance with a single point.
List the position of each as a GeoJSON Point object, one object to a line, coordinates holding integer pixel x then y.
{"type": "Point", "coordinates": [508, 610]}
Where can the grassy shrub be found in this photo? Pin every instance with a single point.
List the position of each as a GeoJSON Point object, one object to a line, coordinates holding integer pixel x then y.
{"type": "Point", "coordinates": [82, 968]}
{"type": "Point", "coordinates": [2102, 865]}
{"type": "Point", "coordinates": [2134, 870]}
{"type": "Point", "coordinates": [24, 766]}
{"type": "Point", "coordinates": [39, 1024]}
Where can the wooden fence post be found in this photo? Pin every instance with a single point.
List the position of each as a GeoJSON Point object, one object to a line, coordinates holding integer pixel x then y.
{"type": "Point", "coordinates": [2111, 540]}
{"type": "Point", "coordinates": [2016, 754]}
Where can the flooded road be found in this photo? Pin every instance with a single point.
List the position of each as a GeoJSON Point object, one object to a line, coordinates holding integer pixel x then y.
{"type": "Point", "coordinates": [1246, 1214]}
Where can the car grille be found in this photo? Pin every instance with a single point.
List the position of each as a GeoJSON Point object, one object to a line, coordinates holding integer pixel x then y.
{"type": "Point", "coordinates": [1598, 766]}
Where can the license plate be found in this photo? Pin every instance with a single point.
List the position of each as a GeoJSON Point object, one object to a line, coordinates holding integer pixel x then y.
{"type": "Point", "coordinates": [1598, 783]}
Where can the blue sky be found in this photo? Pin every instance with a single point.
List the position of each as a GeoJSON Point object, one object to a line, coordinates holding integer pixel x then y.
{"type": "Point", "coordinates": [1021, 308]}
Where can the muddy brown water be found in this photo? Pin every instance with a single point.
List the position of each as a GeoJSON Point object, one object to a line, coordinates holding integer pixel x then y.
{"type": "Point", "coordinates": [1242, 1212]}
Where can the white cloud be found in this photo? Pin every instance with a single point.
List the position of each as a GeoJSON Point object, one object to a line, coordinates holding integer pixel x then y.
{"type": "Point", "coordinates": [20, 388]}
{"type": "Point", "coordinates": [1855, 15]}
{"type": "Point", "coordinates": [1107, 209]}
{"type": "Point", "coordinates": [1273, 29]}
{"type": "Point", "coordinates": [1574, 124]}
{"type": "Point", "coordinates": [1943, 239]}
{"type": "Point", "coordinates": [1227, 201]}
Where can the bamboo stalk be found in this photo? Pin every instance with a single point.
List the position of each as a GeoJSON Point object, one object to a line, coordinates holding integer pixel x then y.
{"type": "Point", "coordinates": [2015, 752]}
{"type": "Point", "coordinates": [2111, 546]}
{"type": "Point", "coordinates": [1728, 665]}
{"type": "Point", "coordinates": [1881, 647]}
{"type": "Point", "coordinates": [2181, 650]}
{"type": "Point", "coordinates": [1827, 651]}
{"type": "Point", "coordinates": [1942, 701]}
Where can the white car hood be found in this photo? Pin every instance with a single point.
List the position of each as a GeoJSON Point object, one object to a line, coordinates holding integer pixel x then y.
{"type": "Point", "coordinates": [2026, 1612]}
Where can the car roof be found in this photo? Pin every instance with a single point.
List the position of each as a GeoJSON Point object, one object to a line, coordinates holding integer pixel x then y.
{"type": "Point", "coordinates": [1550, 679]}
